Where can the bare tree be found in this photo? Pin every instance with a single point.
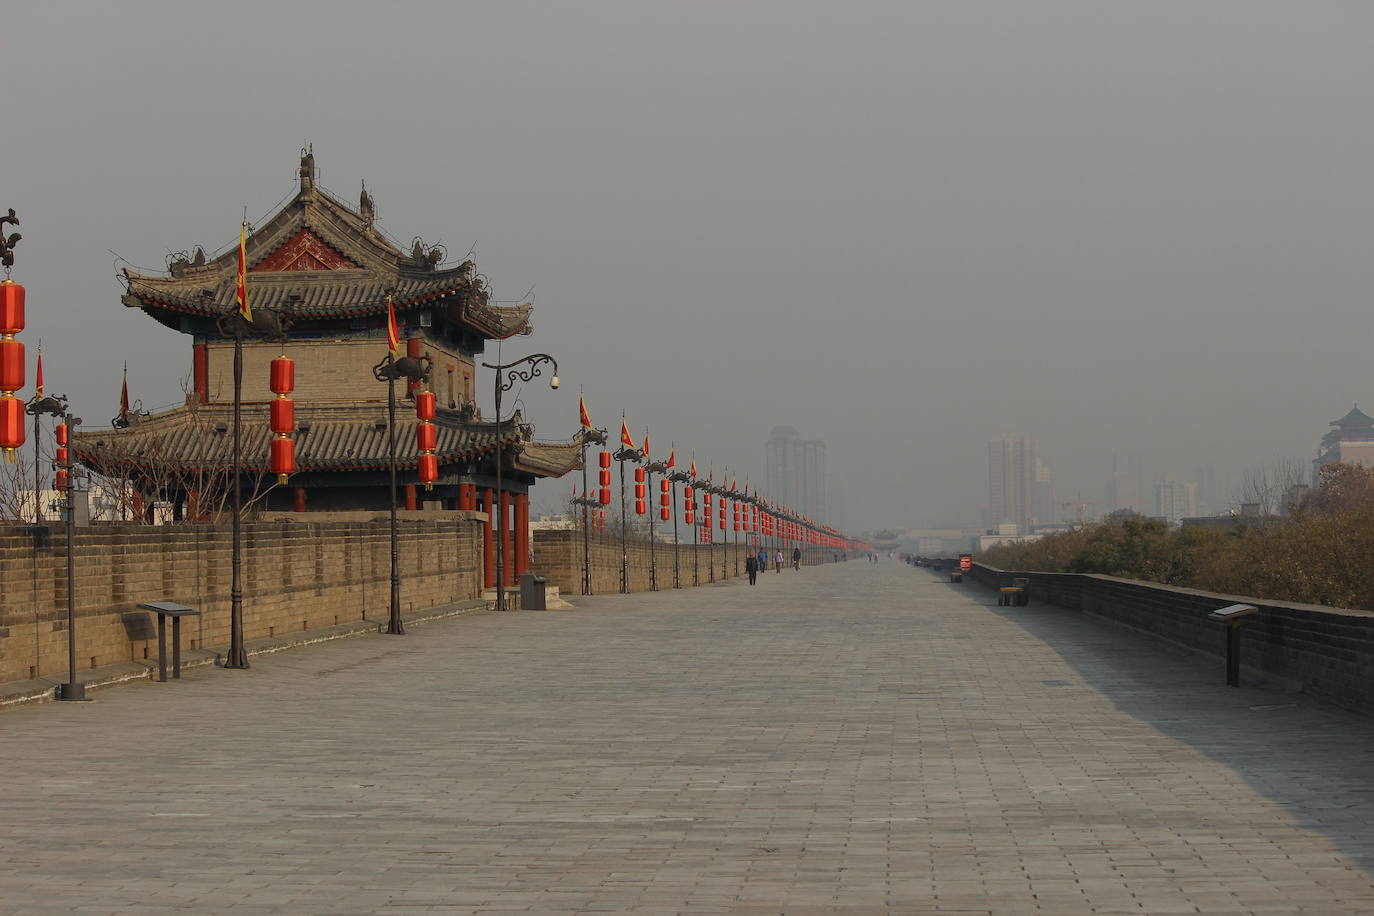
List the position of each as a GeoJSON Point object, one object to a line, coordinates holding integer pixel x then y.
{"type": "Point", "coordinates": [1269, 486]}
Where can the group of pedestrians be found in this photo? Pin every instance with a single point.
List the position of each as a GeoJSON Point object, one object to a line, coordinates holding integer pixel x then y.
{"type": "Point", "coordinates": [757, 563]}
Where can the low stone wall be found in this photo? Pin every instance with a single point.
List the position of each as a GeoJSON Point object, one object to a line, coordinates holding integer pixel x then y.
{"type": "Point", "coordinates": [558, 555]}
{"type": "Point", "coordinates": [296, 575]}
{"type": "Point", "coordinates": [1322, 651]}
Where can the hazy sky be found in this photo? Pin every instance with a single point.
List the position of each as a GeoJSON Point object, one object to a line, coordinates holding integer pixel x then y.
{"type": "Point", "coordinates": [905, 228]}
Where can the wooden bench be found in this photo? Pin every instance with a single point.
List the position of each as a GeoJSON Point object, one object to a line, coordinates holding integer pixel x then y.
{"type": "Point", "coordinates": [1015, 595]}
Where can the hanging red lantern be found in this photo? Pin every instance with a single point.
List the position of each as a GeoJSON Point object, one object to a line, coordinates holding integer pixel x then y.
{"type": "Point", "coordinates": [61, 456]}
{"type": "Point", "coordinates": [426, 436]}
{"type": "Point", "coordinates": [283, 415]}
{"type": "Point", "coordinates": [429, 470]}
{"type": "Point", "coordinates": [60, 483]}
{"type": "Point", "coordinates": [282, 377]}
{"type": "Point", "coordinates": [663, 499]}
{"type": "Point", "coordinates": [11, 308]}
{"type": "Point", "coordinates": [61, 433]}
{"type": "Point", "coordinates": [663, 514]}
{"type": "Point", "coordinates": [424, 405]}
{"type": "Point", "coordinates": [11, 425]}
{"type": "Point", "coordinates": [605, 459]}
{"type": "Point", "coordinates": [605, 496]}
{"type": "Point", "coordinates": [639, 507]}
{"type": "Point", "coordinates": [11, 364]}
{"type": "Point", "coordinates": [283, 457]}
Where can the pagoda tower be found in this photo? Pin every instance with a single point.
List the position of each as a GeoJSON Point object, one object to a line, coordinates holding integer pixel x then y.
{"type": "Point", "coordinates": [319, 275]}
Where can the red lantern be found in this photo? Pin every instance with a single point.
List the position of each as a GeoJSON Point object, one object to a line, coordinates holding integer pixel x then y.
{"type": "Point", "coordinates": [605, 459]}
{"type": "Point", "coordinates": [663, 514]}
{"type": "Point", "coordinates": [429, 469]}
{"type": "Point", "coordinates": [424, 405]}
{"type": "Point", "coordinates": [11, 364]}
{"type": "Point", "coordinates": [687, 493]}
{"type": "Point", "coordinates": [283, 418]}
{"type": "Point", "coordinates": [61, 456]}
{"type": "Point", "coordinates": [426, 436]}
{"type": "Point", "coordinates": [639, 507]}
{"type": "Point", "coordinates": [11, 308]}
{"type": "Point", "coordinates": [283, 461]}
{"type": "Point", "coordinates": [690, 515]}
{"type": "Point", "coordinates": [61, 433]}
{"type": "Point", "coordinates": [61, 482]}
{"type": "Point", "coordinates": [663, 499]}
{"type": "Point", "coordinates": [663, 485]}
{"type": "Point", "coordinates": [11, 425]}
{"type": "Point", "coordinates": [605, 497]}
{"type": "Point", "coordinates": [283, 375]}
{"type": "Point", "coordinates": [605, 476]}
{"type": "Point", "coordinates": [639, 491]}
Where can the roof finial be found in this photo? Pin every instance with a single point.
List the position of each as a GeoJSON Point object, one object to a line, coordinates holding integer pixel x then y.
{"type": "Point", "coordinates": [366, 207]}
{"type": "Point", "coordinates": [308, 167]}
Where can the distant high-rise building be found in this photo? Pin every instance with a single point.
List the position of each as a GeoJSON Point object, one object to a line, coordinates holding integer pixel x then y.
{"type": "Point", "coordinates": [1011, 482]}
{"type": "Point", "coordinates": [1175, 501]}
{"type": "Point", "coordinates": [795, 472]}
{"type": "Point", "coordinates": [1123, 487]}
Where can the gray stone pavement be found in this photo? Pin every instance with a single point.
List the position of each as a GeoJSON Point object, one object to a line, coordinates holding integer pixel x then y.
{"type": "Point", "coordinates": [848, 738]}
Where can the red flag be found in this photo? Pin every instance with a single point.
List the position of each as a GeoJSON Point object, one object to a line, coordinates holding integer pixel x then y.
{"type": "Point", "coordinates": [38, 380]}
{"type": "Point", "coordinates": [242, 293]}
{"type": "Point", "coordinates": [625, 439]}
{"type": "Point", "coordinates": [646, 445]}
{"type": "Point", "coordinates": [672, 459]}
{"type": "Point", "coordinates": [693, 471]}
{"type": "Point", "coordinates": [393, 335]}
{"type": "Point", "coordinates": [582, 413]}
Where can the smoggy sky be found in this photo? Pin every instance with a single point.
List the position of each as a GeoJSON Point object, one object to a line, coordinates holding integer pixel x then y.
{"type": "Point", "coordinates": [906, 228]}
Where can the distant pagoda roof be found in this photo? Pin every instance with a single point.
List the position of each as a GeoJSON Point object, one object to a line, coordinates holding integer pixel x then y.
{"type": "Point", "coordinates": [316, 260]}
{"type": "Point", "coordinates": [328, 438]}
{"type": "Point", "coordinates": [1356, 419]}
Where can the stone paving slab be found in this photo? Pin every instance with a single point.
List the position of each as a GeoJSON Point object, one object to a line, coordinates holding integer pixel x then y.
{"type": "Point", "coordinates": [851, 738]}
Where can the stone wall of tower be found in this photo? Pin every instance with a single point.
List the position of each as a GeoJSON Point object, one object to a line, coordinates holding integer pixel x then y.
{"type": "Point", "coordinates": [330, 370]}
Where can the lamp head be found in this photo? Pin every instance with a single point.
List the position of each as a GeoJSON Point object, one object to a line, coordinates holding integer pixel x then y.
{"type": "Point", "coordinates": [553, 382]}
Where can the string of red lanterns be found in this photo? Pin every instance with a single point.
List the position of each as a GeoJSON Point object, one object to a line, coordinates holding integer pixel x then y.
{"type": "Point", "coordinates": [426, 438]}
{"type": "Point", "coordinates": [282, 380]}
{"type": "Point", "coordinates": [11, 368]}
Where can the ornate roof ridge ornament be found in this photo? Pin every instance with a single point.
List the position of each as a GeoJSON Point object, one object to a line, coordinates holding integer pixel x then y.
{"type": "Point", "coordinates": [7, 243]}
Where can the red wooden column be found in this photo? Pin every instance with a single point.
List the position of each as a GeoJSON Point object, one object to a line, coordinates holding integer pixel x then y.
{"type": "Point", "coordinates": [488, 551]}
{"type": "Point", "coordinates": [508, 567]}
{"type": "Point", "coordinates": [300, 499]}
{"type": "Point", "coordinates": [412, 498]}
{"type": "Point", "coordinates": [200, 373]}
{"type": "Point", "coordinates": [522, 534]}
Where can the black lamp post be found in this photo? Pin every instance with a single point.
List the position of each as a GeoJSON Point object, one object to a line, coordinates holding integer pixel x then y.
{"type": "Point", "coordinates": [590, 436]}
{"type": "Point", "coordinates": [513, 375]}
{"type": "Point", "coordinates": [622, 455]}
{"type": "Point", "coordinates": [651, 468]}
{"type": "Point", "coordinates": [54, 406]}
{"type": "Point", "coordinates": [70, 690]}
{"type": "Point", "coordinates": [412, 369]}
{"type": "Point", "coordinates": [266, 325]}
{"type": "Point", "coordinates": [677, 477]}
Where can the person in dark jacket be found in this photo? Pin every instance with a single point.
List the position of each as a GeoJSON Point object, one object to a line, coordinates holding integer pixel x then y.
{"type": "Point", "coordinates": [751, 566]}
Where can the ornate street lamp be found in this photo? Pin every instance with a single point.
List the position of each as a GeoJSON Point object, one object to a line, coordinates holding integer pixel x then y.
{"type": "Point", "coordinates": [54, 406]}
{"type": "Point", "coordinates": [590, 436]}
{"type": "Point", "coordinates": [513, 375]}
{"type": "Point", "coordinates": [413, 369]}
{"type": "Point", "coordinates": [71, 690]}
{"type": "Point", "coordinates": [266, 325]}
{"type": "Point", "coordinates": [678, 477]}
{"type": "Point", "coordinates": [622, 455]}
{"type": "Point", "coordinates": [651, 468]}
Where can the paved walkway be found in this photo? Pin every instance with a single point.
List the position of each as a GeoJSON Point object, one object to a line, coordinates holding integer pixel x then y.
{"type": "Point", "coordinates": [848, 738]}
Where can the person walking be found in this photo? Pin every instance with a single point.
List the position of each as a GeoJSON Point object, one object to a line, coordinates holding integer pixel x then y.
{"type": "Point", "coordinates": [763, 559]}
{"type": "Point", "coordinates": [751, 566]}
{"type": "Point", "coordinates": [796, 558]}
{"type": "Point", "coordinates": [777, 560]}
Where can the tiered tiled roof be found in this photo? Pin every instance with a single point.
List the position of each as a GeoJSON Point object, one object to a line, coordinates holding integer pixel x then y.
{"type": "Point", "coordinates": [328, 439]}
{"type": "Point", "coordinates": [318, 259]}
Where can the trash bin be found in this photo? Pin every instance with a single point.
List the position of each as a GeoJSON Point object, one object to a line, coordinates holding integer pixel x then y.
{"type": "Point", "coordinates": [532, 593]}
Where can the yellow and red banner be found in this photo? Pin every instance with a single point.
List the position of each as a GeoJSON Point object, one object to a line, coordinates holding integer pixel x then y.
{"type": "Point", "coordinates": [582, 415]}
{"type": "Point", "coordinates": [242, 294]}
{"type": "Point", "coordinates": [672, 459]}
{"type": "Point", "coordinates": [625, 439]}
{"type": "Point", "coordinates": [38, 377]}
{"type": "Point", "coordinates": [393, 334]}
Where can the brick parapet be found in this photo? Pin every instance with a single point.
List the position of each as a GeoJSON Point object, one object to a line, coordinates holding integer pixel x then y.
{"type": "Point", "coordinates": [297, 575]}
